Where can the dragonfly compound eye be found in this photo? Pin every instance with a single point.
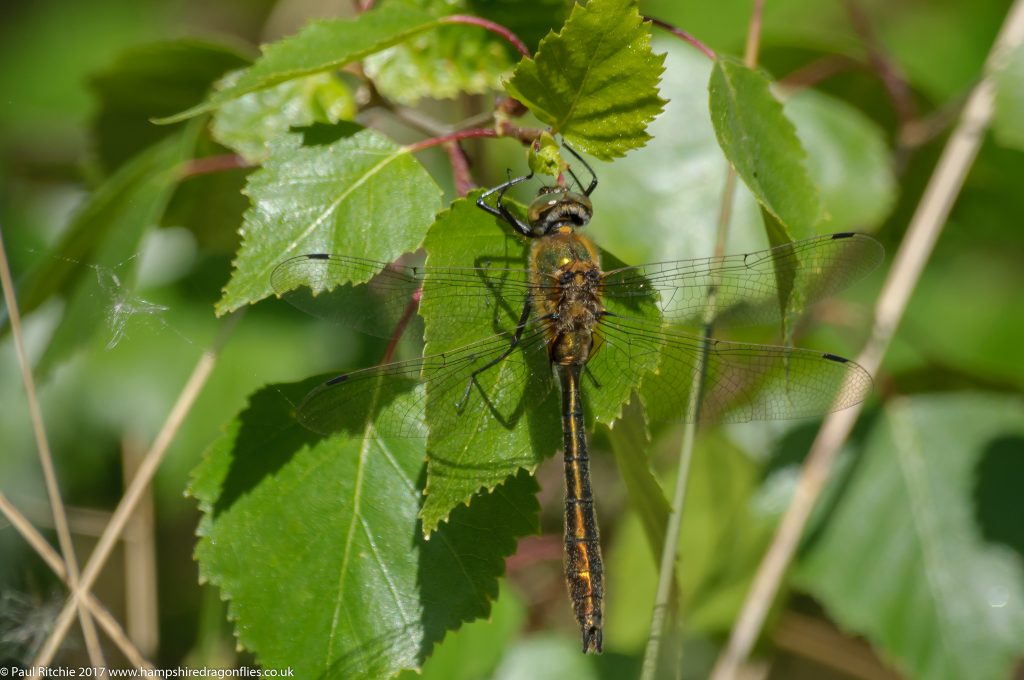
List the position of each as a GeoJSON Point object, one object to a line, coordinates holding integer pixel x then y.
{"type": "Point", "coordinates": [552, 210]}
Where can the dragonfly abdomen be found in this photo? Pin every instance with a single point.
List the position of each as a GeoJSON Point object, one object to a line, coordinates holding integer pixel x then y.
{"type": "Point", "coordinates": [584, 569]}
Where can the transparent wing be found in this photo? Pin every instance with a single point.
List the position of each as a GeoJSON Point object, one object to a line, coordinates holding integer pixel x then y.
{"type": "Point", "coordinates": [748, 284]}
{"type": "Point", "coordinates": [743, 381]}
{"type": "Point", "coordinates": [321, 285]}
{"type": "Point", "coordinates": [456, 400]}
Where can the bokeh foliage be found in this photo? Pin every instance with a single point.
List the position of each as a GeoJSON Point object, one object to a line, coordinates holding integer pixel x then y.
{"type": "Point", "coordinates": [121, 253]}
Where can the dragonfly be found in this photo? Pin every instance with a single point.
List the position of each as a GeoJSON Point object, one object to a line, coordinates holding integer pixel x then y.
{"type": "Point", "coordinates": [560, 318]}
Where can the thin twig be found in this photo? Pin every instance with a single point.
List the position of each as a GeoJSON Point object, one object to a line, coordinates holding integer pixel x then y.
{"type": "Point", "coordinates": [814, 72]}
{"type": "Point", "coordinates": [510, 37]}
{"type": "Point", "coordinates": [754, 34]}
{"type": "Point", "coordinates": [60, 519]}
{"type": "Point", "coordinates": [889, 73]}
{"type": "Point", "coordinates": [45, 551]}
{"type": "Point", "coordinates": [684, 36]}
{"type": "Point", "coordinates": [670, 550]}
{"type": "Point", "coordinates": [924, 229]}
{"type": "Point", "coordinates": [134, 493]}
{"type": "Point", "coordinates": [211, 164]}
{"type": "Point", "coordinates": [461, 176]}
{"type": "Point", "coordinates": [141, 601]}
{"type": "Point", "coordinates": [524, 135]}
{"type": "Point", "coordinates": [403, 322]}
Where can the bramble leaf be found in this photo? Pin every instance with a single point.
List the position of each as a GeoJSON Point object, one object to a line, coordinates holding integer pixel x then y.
{"type": "Point", "coordinates": [363, 196]}
{"type": "Point", "coordinates": [596, 81]}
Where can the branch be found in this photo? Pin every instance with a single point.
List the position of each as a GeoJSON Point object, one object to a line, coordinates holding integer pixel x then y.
{"type": "Point", "coordinates": [134, 493]}
{"type": "Point", "coordinates": [49, 555]}
{"type": "Point", "coordinates": [684, 36]}
{"type": "Point", "coordinates": [670, 550]}
{"type": "Point", "coordinates": [924, 229]}
{"type": "Point", "coordinates": [60, 519]}
{"type": "Point", "coordinates": [498, 29]}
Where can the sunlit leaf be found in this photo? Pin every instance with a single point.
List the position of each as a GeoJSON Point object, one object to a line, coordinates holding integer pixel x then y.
{"type": "Point", "coordinates": [904, 562]}
{"type": "Point", "coordinates": [250, 123]}
{"type": "Point", "coordinates": [596, 81]}
{"type": "Point", "coordinates": [468, 451]}
{"type": "Point", "coordinates": [362, 195]}
{"type": "Point", "coordinates": [441, 64]}
{"type": "Point", "coordinates": [317, 546]}
{"type": "Point", "coordinates": [321, 47]}
{"type": "Point", "coordinates": [763, 147]}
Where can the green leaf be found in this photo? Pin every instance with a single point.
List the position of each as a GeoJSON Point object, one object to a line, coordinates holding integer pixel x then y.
{"type": "Point", "coordinates": [442, 64]}
{"type": "Point", "coordinates": [93, 261]}
{"type": "Point", "coordinates": [902, 560]}
{"type": "Point", "coordinates": [848, 157]}
{"type": "Point", "coordinates": [662, 202]}
{"type": "Point", "coordinates": [250, 123]}
{"type": "Point", "coordinates": [148, 82]}
{"type": "Point", "coordinates": [475, 649]}
{"type": "Point", "coordinates": [467, 450]}
{"type": "Point", "coordinates": [530, 20]}
{"type": "Point", "coordinates": [763, 147]}
{"type": "Point", "coordinates": [320, 47]}
{"type": "Point", "coordinates": [596, 81]}
{"type": "Point", "coordinates": [629, 438]}
{"type": "Point", "coordinates": [344, 584]}
{"type": "Point", "coordinates": [462, 460]}
{"type": "Point", "coordinates": [1008, 118]}
{"type": "Point", "coordinates": [362, 196]}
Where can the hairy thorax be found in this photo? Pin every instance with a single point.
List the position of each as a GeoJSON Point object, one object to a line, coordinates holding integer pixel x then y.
{"type": "Point", "coordinates": [567, 276]}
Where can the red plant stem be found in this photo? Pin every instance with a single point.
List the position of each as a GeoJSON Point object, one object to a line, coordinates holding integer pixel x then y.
{"type": "Point", "coordinates": [524, 135]}
{"type": "Point", "coordinates": [460, 168]}
{"type": "Point", "coordinates": [472, 133]}
{"type": "Point", "coordinates": [816, 71]}
{"type": "Point", "coordinates": [683, 35]}
{"type": "Point", "coordinates": [498, 29]}
{"type": "Point", "coordinates": [410, 309]}
{"type": "Point", "coordinates": [212, 164]}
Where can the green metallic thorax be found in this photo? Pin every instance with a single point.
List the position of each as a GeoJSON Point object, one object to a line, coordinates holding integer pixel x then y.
{"type": "Point", "coordinates": [566, 275]}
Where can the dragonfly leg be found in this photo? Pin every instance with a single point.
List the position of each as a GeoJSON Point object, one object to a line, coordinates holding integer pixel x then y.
{"type": "Point", "coordinates": [593, 177]}
{"type": "Point", "coordinates": [499, 209]}
{"type": "Point", "coordinates": [520, 327]}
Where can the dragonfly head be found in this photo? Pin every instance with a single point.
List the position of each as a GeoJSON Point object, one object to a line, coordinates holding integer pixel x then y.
{"type": "Point", "coordinates": [557, 207]}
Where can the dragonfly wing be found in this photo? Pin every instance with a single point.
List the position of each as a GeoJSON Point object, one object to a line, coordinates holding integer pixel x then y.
{"type": "Point", "coordinates": [742, 381]}
{"type": "Point", "coordinates": [450, 400]}
{"type": "Point", "coordinates": [372, 296]}
{"type": "Point", "coordinates": [751, 288]}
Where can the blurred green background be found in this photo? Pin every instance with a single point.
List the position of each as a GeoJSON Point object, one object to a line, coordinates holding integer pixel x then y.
{"type": "Point", "coordinates": [72, 112]}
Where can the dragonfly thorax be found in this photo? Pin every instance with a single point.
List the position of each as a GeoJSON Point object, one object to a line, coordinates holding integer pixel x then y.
{"type": "Point", "coordinates": [556, 208]}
